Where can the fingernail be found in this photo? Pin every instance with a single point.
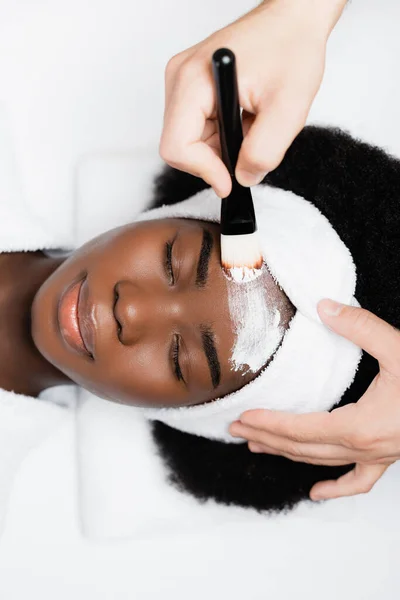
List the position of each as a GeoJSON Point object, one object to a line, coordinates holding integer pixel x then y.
{"type": "Point", "coordinates": [330, 308]}
{"type": "Point", "coordinates": [247, 179]}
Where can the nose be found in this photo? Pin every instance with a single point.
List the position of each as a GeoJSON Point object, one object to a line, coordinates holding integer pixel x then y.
{"type": "Point", "coordinates": [142, 312]}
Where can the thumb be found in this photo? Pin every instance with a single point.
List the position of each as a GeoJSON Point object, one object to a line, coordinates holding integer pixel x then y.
{"type": "Point", "coordinates": [364, 329]}
{"type": "Point", "coordinates": [358, 481]}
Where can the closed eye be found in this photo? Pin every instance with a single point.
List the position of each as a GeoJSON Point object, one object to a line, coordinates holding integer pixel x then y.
{"type": "Point", "coordinates": [175, 358]}
{"type": "Point", "coordinates": [168, 262]}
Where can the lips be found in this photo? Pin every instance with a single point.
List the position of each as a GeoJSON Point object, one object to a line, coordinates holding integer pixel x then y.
{"type": "Point", "coordinates": [76, 326]}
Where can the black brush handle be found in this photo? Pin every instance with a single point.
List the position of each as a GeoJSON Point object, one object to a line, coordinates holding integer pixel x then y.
{"type": "Point", "coordinates": [237, 210]}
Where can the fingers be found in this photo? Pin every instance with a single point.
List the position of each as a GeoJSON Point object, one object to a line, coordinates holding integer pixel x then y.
{"type": "Point", "coordinates": [268, 136]}
{"type": "Point", "coordinates": [315, 428]}
{"type": "Point", "coordinates": [358, 481]}
{"type": "Point", "coordinates": [187, 128]}
{"type": "Point", "coordinates": [314, 453]}
{"type": "Point", "coordinates": [366, 330]}
{"type": "Point", "coordinates": [200, 159]}
{"type": "Point", "coordinates": [258, 448]}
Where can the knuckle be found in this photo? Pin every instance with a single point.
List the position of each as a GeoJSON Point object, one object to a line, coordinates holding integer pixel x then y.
{"type": "Point", "coordinates": [375, 441]}
{"type": "Point", "coordinates": [173, 65]}
{"type": "Point", "coordinates": [361, 440]}
{"type": "Point", "coordinates": [361, 320]}
{"type": "Point", "coordinates": [293, 450]}
{"type": "Point", "coordinates": [169, 153]}
{"type": "Point", "coordinates": [366, 487]}
{"type": "Point", "coordinates": [297, 436]}
{"type": "Point", "coordinates": [188, 70]}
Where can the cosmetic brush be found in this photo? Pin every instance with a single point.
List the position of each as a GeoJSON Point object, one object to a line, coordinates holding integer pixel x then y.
{"type": "Point", "coordinates": [241, 255]}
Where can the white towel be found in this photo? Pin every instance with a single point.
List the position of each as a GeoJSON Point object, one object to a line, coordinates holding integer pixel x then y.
{"type": "Point", "coordinates": [313, 367]}
{"type": "Point", "coordinates": [24, 421]}
{"type": "Point", "coordinates": [20, 229]}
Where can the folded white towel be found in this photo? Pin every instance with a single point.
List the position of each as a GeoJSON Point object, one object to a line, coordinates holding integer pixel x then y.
{"type": "Point", "coordinates": [24, 421]}
{"type": "Point", "coordinates": [313, 367]}
{"type": "Point", "coordinates": [20, 229]}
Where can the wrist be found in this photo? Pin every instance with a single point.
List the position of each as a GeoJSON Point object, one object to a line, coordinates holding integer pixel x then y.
{"type": "Point", "coordinates": [320, 15]}
{"type": "Point", "coordinates": [328, 12]}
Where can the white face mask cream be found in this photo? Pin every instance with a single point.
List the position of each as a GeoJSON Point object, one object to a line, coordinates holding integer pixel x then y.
{"type": "Point", "coordinates": [258, 311]}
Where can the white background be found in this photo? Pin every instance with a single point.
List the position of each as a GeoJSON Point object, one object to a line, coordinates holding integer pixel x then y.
{"type": "Point", "coordinates": [80, 77]}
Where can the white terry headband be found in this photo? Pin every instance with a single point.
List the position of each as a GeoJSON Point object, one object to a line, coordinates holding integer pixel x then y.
{"type": "Point", "coordinates": [313, 366]}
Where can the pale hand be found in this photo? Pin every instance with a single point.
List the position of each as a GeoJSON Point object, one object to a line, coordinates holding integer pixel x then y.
{"type": "Point", "coordinates": [280, 52]}
{"type": "Point", "coordinates": [366, 433]}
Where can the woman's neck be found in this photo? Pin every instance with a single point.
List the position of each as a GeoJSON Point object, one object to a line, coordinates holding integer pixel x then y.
{"type": "Point", "coordinates": [23, 369]}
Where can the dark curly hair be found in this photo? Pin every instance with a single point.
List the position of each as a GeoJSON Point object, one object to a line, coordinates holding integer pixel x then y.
{"type": "Point", "coordinates": [357, 187]}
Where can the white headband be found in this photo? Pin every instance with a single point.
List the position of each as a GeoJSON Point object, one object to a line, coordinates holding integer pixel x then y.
{"type": "Point", "coordinates": [313, 366]}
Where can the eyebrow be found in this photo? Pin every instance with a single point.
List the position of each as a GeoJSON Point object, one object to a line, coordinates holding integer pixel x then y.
{"type": "Point", "coordinates": [207, 338]}
{"type": "Point", "coordinates": [207, 244]}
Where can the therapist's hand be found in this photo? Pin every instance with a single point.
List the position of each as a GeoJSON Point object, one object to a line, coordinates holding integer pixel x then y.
{"type": "Point", "coordinates": [366, 433]}
{"type": "Point", "coordinates": [280, 52]}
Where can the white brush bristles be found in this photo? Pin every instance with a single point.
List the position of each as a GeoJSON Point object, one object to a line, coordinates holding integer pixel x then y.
{"type": "Point", "coordinates": [241, 257]}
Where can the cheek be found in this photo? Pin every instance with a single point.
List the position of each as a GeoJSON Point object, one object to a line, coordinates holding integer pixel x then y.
{"type": "Point", "coordinates": [137, 377]}
{"type": "Point", "coordinates": [126, 257]}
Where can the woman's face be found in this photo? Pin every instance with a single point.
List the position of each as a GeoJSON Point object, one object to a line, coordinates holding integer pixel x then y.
{"type": "Point", "coordinates": [139, 315]}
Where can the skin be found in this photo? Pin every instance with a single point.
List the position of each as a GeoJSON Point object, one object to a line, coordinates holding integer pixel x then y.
{"type": "Point", "coordinates": [23, 368]}
{"type": "Point", "coordinates": [154, 304]}
{"type": "Point", "coordinates": [291, 37]}
{"type": "Point", "coordinates": [366, 433]}
{"type": "Point", "coordinates": [288, 39]}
